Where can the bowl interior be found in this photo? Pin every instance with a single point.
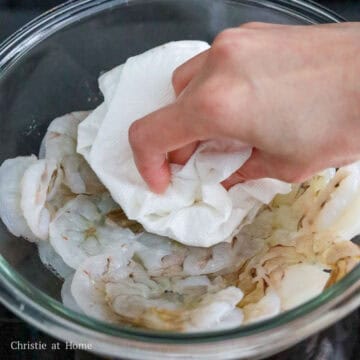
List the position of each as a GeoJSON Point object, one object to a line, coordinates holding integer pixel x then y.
{"type": "Point", "coordinates": [59, 74]}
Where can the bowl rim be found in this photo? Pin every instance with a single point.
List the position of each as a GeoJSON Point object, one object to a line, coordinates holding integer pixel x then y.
{"type": "Point", "coordinates": [59, 16]}
{"type": "Point", "coordinates": [32, 304]}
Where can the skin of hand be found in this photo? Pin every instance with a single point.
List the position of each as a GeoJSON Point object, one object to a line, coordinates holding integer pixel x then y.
{"type": "Point", "coordinates": [291, 92]}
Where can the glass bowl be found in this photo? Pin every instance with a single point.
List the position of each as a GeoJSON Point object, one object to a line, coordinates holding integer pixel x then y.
{"type": "Point", "coordinates": [50, 67]}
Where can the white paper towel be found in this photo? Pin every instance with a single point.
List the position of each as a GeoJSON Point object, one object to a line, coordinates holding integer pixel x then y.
{"type": "Point", "coordinates": [195, 210]}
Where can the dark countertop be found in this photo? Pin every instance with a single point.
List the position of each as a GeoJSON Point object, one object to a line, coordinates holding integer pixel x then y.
{"type": "Point", "coordinates": [340, 342]}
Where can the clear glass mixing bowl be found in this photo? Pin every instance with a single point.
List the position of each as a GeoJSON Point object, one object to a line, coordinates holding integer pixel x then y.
{"type": "Point", "coordinates": [50, 67]}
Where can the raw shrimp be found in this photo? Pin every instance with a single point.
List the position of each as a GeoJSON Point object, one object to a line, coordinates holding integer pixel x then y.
{"type": "Point", "coordinates": [119, 218]}
{"type": "Point", "coordinates": [66, 295]}
{"type": "Point", "coordinates": [308, 192]}
{"type": "Point", "coordinates": [190, 304]}
{"type": "Point", "coordinates": [60, 198]}
{"type": "Point", "coordinates": [79, 229]}
{"type": "Point", "coordinates": [134, 292]}
{"type": "Point", "coordinates": [267, 307]}
{"type": "Point", "coordinates": [91, 278]}
{"type": "Point", "coordinates": [60, 144]}
{"type": "Point", "coordinates": [79, 177]}
{"type": "Point", "coordinates": [222, 258]}
{"type": "Point", "coordinates": [53, 261]}
{"type": "Point", "coordinates": [197, 285]}
{"type": "Point", "coordinates": [284, 217]}
{"type": "Point", "coordinates": [160, 255]}
{"type": "Point", "coordinates": [89, 281]}
{"type": "Point", "coordinates": [207, 261]}
{"type": "Point", "coordinates": [217, 309]}
{"type": "Point", "coordinates": [39, 184]}
{"type": "Point", "coordinates": [338, 205]}
{"type": "Point", "coordinates": [300, 283]}
{"type": "Point", "coordinates": [11, 174]}
{"type": "Point", "coordinates": [132, 296]}
{"type": "Point", "coordinates": [60, 138]}
{"type": "Point", "coordinates": [204, 312]}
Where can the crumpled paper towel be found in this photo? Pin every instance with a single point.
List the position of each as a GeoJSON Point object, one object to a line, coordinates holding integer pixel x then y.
{"type": "Point", "coordinates": [195, 210]}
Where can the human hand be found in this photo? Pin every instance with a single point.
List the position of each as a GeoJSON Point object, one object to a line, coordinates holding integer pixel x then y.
{"type": "Point", "coordinates": [291, 92]}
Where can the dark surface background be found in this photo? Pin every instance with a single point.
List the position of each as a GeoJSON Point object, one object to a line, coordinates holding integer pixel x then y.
{"type": "Point", "coordinates": [340, 342]}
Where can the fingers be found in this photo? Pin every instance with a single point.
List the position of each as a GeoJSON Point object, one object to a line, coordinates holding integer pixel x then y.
{"type": "Point", "coordinates": [181, 78]}
{"type": "Point", "coordinates": [185, 73]}
{"type": "Point", "coordinates": [155, 135]}
{"type": "Point", "coordinates": [181, 156]}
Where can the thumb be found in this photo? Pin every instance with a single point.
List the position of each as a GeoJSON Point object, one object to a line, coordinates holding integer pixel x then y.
{"type": "Point", "coordinates": [254, 168]}
{"type": "Point", "coordinates": [262, 165]}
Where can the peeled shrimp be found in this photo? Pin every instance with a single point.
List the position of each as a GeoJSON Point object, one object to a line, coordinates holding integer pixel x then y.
{"type": "Point", "coordinates": [134, 292]}
{"type": "Point", "coordinates": [223, 257]}
{"type": "Point", "coordinates": [61, 197]}
{"type": "Point", "coordinates": [39, 184]}
{"type": "Point", "coordinates": [89, 286]}
{"type": "Point", "coordinates": [53, 261]}
{"type": "Point", "coordinates": [338, 205]}
{"type": "Point", "coordinates": [89, 282]}
{"type": "Point", "coordinates": [60, 138]}
{"type": "Point", "coordinates": [66, 295]}
{"type": "Point", "coordinates": [266, 307]}
{"type": "Point", "coordinates": [300, 283]}
{"type": "Point", "coordinates": [207, 261]}
{"type": "Point", "coordinates": [79, 229]}
{"type": "Point", "coordinates": [11, 174]}
{"type": "Point", "coordinates": [60, 144]}
{"type": "Point", "coordinates": [138, 297]}
{"type": "Point", "coordinates": [206, 311]}
{"type": "Point", "coordinates": [160, 255]}
{"type": "Point", "coordinates": [79, 177]}
{"type": "Point", "coordinates": [217, 310]}
{"type": "Point", "coordinates": [196, 285]}
{"type": "Point", "coordinates": [163, 303]}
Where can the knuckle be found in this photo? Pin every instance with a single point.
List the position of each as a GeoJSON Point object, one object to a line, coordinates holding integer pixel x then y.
{"type": "Point", "coordinates": [223, 43]}
{"type": "Point", "coordinates": [221, 52]}
{"type": "Point", "coordinates": [226, 35]}
{"type": "Point", "coordinates": [234, 44]}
